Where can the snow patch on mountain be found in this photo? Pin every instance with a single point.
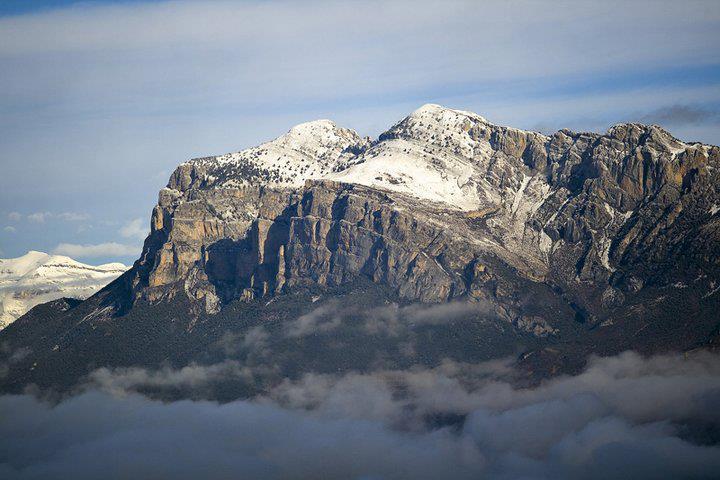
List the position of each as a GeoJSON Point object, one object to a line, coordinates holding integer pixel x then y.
{"type": "Point", "coordinates": [406, 167]}
{"type": "Point", "coordinates": [310, 150]}
{"type": "Point", "coordinates": [38, 277]}
{"type": "Point", "coordinates": [436, 154]}
{"type": "Point", "coordinates": [429, 155]}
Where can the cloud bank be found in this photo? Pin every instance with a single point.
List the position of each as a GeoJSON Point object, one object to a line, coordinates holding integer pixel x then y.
{"type": "Point", "coordinates": [41, 217]}
{"type": "Point", "coordinates": [135, 229]}
{"type": "Point", "coordinates": [624, 417]}
{"type": "Point", "coordinates": [108, 249]}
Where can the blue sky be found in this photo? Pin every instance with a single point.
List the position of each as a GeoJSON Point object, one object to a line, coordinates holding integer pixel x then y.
{"type": "Point", "coordinates": [101, 100]}
{"type": "Point", "coordinates": [16, 7]}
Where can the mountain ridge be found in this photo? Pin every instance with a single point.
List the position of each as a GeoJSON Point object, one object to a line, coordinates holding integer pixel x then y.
{"type": "Point", "coordinates": [38, 277]}
{"type": "Point", "coordinates": [573, 243]}
{"type": "Point", "coordinates": [536, 190]}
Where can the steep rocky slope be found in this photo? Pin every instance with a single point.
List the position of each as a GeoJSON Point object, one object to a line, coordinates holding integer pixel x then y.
{"type": "Point", "coordinates": [37, 278]}
{"type": "Point", "coordinates": [444, 205]}
{"type": "Point", "coordinates": [576, 242]}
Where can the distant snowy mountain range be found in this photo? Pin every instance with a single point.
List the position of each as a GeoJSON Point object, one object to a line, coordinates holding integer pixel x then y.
{"type": "Point", "coordinates": [38, 277]}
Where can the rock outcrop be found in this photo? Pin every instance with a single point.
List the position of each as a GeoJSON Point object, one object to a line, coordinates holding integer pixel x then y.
{"type": "Point", "coordinates": [444, 205]}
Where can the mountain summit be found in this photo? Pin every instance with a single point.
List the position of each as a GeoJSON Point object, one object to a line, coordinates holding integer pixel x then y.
{"type": "Point", "coordinates": [37, 277]}
{"type": "Point", "coordinates": [309, 150]}
{"type": "Point", "coordinates": [532, 201]}
{"type": "Point", "coordinates": [563, 245]}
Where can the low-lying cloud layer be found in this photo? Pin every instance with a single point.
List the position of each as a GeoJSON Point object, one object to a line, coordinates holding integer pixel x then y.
{"type": "Point", "coordinates": [391, 319]}
{"type": "Point", "coordinates": [624, 417]}
{"type": "Point", "coordinates": [108, 249]}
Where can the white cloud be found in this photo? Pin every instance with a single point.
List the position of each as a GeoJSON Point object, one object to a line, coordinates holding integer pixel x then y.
{"type": "Point", "coordinates": [109, 249]}
{"type": "Point", "coordinates": [136, 229]}
{"type": "Point", "coordinates": [303, 51]}
{"type": "Point", "coordinates": [73, 216]}
{"type": "Point", "coordinates": [415, 29]}
{"type": "Point", "coordinates": [122, 381]}
{"type": "Point", "coordinates": [14, 216]}
{"type": "Point", "coordinates": [10, 229]}
{"type": "Point", "coordinates": [624, 417]}
{"type": "Point", "coordinates": [322, 319]}
{"type": "Point", "coordinates": [39, 217]}
{"type": "Point", "coordinates": [391, 319]}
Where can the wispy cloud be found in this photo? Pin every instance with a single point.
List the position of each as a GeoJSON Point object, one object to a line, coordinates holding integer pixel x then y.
{"type": "Point", "coordinates": [324, 318]}
{"type": "Point", "coordinates": [109, 249]}
{"type": "Point", "coordinates": [391, 319]}
{"type": "Point", "coordinates": [10, 229]}
{"type": "Point", "coordinates": [681, 115]}
{"type": "Point", "coordinates": [101, 55]}
{"type": "Point", "coordinates": [41, 217]}
{"type": "Point", "coordinates": [14, 216]}
{"type": "Point", "coordinates": [136, 229]}
{"type": "Point", "coordinates": [72, 216]}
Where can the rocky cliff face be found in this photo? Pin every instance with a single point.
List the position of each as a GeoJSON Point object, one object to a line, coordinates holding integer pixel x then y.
{"type": "Point", "coordinates": [445, 205]}
{"type": "Point", "coordinates": [447, 238]}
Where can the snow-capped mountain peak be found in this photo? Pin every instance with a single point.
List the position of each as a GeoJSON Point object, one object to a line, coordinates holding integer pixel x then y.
{"type": "Point", "coordinates": [308, 150]}
{"type": "Point", "coordinates": [439, 114]}
{"type": "Point", "coordinates": [17, 267]}
{"type": "Point", "coordinates": [38, 277]}
{"type": "Point", "coordinates": [451, 157]}
{"type": "Point", "coordinates": [323, 133]}
{"type": "Point", "coordinates": [435, 153]}
{"type": "Point", "coordinates": [441, 155]}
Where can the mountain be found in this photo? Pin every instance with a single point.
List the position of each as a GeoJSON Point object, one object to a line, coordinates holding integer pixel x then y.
{"type": "Point", "coordinates": [448, 237]}
{"type": "Point", "coordinates": [37, 278]}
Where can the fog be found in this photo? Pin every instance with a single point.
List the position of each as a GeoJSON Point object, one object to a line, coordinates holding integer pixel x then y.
{"type": "Point", "coordinates": [625, 416]}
